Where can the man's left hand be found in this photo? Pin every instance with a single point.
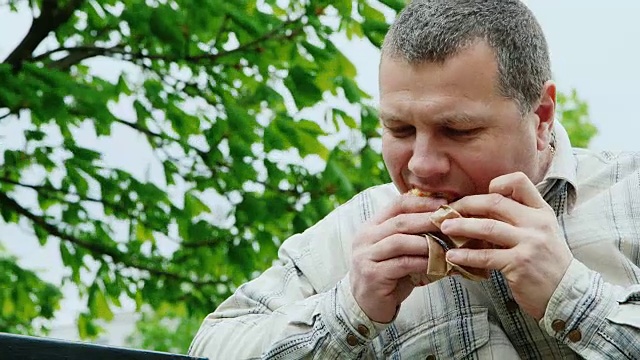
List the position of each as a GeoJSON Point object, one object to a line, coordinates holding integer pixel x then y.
{"type": "Point", "coordinates": [530, 251]}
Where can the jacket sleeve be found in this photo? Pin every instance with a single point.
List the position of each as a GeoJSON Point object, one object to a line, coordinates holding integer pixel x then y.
{"type": "Point", "coordinates": [596, 319]}
{"type": "Point", "coordinates": [301, 307]}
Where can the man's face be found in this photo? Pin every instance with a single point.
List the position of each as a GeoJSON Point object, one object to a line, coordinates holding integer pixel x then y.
{"type": "Point", "coordinates": [447, 130]}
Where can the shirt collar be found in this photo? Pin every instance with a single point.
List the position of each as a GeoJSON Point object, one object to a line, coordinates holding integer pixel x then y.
{"type": "Point", "coordinates": [563, 168]}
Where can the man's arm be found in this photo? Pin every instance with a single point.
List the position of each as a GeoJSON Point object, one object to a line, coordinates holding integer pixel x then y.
{"type": "Point", "coordinates": [299, 308]}
{"type": "Point", "coordinates": [294, 322]}
{"type": "Point", "coordinates": [594, 318]}
{"type": "Point", "coordinates": [574, 304]}
{"type": "Point", "coordinates": [307, 306]}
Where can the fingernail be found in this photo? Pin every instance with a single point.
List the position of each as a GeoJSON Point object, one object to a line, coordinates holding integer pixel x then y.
{"type": "Point", "coordinates": [453, 255]}
{"type": "Point", "coordinates": [447, 224]}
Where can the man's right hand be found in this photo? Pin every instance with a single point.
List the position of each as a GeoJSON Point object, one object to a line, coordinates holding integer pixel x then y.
{"type": "Point", "coordinates": [386, 251]}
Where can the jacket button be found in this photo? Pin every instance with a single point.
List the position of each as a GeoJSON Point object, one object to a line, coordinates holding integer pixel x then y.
{"type": "Point", "coordinates": [431, 357]}
{"type": "Point", "coordinates": [574, 335]}
{"type": "Point", "coordinates": [352, 340]}
{"type": "Point", "coordinates": [558, 325]}
{"type": "Point", "coordinates": [363, 330]}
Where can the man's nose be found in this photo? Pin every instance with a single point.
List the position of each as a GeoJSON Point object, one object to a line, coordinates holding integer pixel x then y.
{"type": "Point", "coordinates": [428, 158]}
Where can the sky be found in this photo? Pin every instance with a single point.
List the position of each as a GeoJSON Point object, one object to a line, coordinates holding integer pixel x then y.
{"type": "Point", "coordinates": [593, 49]}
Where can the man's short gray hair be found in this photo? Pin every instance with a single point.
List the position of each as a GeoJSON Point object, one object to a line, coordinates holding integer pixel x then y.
{"type": "Point", "coordinates": [435, 30]}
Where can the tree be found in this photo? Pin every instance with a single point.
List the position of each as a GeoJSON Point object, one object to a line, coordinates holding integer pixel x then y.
{"type": "Point", "coordinates": [217, 91]}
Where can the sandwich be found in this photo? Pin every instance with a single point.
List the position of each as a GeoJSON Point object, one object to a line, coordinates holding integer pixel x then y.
{"type": "Point", "coordinates": [439, 243]}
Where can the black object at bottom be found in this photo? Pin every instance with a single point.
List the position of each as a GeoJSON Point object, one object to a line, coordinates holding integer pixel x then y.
{"type": "Point", "coordinates": [35, 348]}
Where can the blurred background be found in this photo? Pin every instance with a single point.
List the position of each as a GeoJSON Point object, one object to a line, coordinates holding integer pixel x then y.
{"type": "Point", "coordinates": [153, 155]}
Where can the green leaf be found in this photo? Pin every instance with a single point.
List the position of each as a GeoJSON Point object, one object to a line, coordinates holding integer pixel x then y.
{"type": "Point", "coordinates": [41, 234]}
{"type": "Point", "coordinates": [396, 5]}
{"type": "Point", "coordinates": [194, 206]}
{"type": "Point", "coordinates": [81, 184]}
{"type": "Point", "coordinates": [34, 135]}
{"type": "Point", "coordinates": [8, 306]}
{"type": "Point", "coordinates": [301, 84]}
{"type": "Point", "coordinates": [351, 90]}
{"type": "Point", "coordinates": [344, 7]}
{"type": "Point", "coordinates": [335, 175]}
{"type": "Point", "coordinates": [371, 14]}
{"type": "Point", "coordinates": [143, 233]}
{"type": "Point", "coordinates": [86, 327]}
{"type": "Point", "coordinates": [99, 306]}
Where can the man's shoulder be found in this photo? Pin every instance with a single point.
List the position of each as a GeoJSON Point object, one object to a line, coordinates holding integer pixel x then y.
{"type": "Point", "coordinates": [381, 192]}
{"type": "Point", "coordinates": [364, 204]}
{"type": "Point", "coordinates": [604, 158]}
{"type": "Point", "coordinates": [374, 198]}
{"type": "Point", "coordinates": [605, 167]}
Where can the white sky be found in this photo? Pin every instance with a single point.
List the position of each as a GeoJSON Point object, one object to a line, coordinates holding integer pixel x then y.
{"type": "Point", "coordinates": [594, 49]}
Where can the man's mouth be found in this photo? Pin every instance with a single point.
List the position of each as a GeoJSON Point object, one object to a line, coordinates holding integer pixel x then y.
{"type": "Point", "coordinates": [436, 194]}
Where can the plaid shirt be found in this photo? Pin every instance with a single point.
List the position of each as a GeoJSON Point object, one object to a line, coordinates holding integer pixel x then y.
{"type": "Point", "coordinates": [302, 306]}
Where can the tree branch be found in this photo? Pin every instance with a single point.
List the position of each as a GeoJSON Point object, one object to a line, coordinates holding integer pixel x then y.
{"type": "Point", "coordinates": [223, 27]}
{"type": "Point", "coordinates": [79, 53]}
{"type": "Point", "coordinates": [51, 17]}
{"type": "Point", "coordinates": [72, 59]}
{"type": "Point", "coordinates": [42, 189]}
{"type": "Point", "coordinates": [98, 250]}
{"type": "Point", "coordinates": [6, 115]}
{"type": "Point", "coordinates": [162, 136]}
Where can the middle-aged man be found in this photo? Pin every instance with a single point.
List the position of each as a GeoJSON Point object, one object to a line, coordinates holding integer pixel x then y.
{"type": "Point", "coordinates": [467, 106]}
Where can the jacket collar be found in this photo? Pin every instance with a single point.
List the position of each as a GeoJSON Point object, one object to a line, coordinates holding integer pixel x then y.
{"type": "Point", "coordinates": [563, 168]}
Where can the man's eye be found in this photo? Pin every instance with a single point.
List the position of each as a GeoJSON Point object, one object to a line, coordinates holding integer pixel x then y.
{"type": "Point", "coordinates": [460, 132]}
{"type": "Point", "coordinates": [401, 131]}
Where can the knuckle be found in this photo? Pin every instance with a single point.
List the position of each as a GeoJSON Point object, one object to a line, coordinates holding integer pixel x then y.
{"type": "Point", "coordinates": [402, 204]}
{"type": "Point", "coordinates": [483, 256]}
{"type": "Point", "coordinates": [404, 262]}
{"type": "Point", "coordinates": [487, 226]}
{"type": "Point", "coordinates": [399, 224]}
{"type": "Point", "coordinates": [523, 259]}
{"type": "Point", "coordinates": [495, 199]}
{"type": "Point", "coordinates": [408, 263]}
{"type": "Point", "coordinates": [547, 228]}
{"type": "Point", "coordinates": [367, 271]}
{"type": "Point", "coordinates": [520, 177]}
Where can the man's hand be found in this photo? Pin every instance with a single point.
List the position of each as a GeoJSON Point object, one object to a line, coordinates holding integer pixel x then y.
{"type": "Point", "coordinates": [533, 256]}
{"type": "Point", "coordinates": [386, 251]}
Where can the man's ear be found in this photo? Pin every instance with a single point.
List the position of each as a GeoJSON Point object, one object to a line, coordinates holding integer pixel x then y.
{"type": "Point", "coordinates": [546, 114]}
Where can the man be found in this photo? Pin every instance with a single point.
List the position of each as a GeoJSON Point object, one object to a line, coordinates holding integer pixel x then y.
{"type": "Point", "coordinates": [467, 107]}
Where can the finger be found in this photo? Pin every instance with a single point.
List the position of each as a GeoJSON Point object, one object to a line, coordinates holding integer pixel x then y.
{"type": "Point", "coordinates": [492, 206]}
{"type": "Point", "coordinates": [489, 230]}
{"type": "Point", "coordinates": [411, 224]}
{"type": "Point", "coordinates": [399, 245]}
{"type": "Point", "coordinates": [399, 267]}
{"type": "Point", "coordinates": [490, 259]}
{"type": "Point", "coordinates": [406, 204]}
{"type": "Point", "coordinates": [518, 187]}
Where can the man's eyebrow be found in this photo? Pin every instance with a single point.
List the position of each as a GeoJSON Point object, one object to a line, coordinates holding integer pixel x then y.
{"type": "Point", "coordinates": [388, 117]}
{"type": "Point", "coordinates": [445, 119]}
{"type": "Point", "coordinates": [453, 119]}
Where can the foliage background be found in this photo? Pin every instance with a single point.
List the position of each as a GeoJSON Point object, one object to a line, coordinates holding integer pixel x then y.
{"type": "Point", "coordinates": [257, 130]}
